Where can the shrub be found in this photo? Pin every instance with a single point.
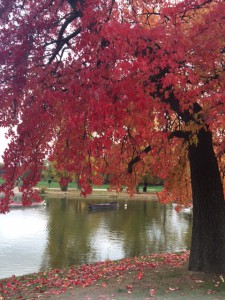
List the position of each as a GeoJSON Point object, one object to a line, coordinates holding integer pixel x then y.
{"type": "Point", "coordinates": [64, 187]}
{"type": "Point", "coordinates": [42, 189]}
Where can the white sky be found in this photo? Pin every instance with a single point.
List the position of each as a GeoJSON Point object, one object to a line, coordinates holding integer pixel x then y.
{"type": "Point", "coordinates": [3, 142]}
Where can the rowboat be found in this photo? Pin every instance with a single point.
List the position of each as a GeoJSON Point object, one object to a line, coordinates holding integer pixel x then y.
{"type": "Point", "coordinates": [103, 205]}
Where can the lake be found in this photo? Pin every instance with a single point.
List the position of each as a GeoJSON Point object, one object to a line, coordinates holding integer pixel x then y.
{"type": "Point", "coordinates": [66, 232]}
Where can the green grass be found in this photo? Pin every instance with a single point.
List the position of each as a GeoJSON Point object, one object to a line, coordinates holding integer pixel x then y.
{"type": "Point", "coordinates": [71, 185]}
{"type": "Point", "coordinates": [55, 184]}
{"type": "Point", "coordinates": [154, 188]}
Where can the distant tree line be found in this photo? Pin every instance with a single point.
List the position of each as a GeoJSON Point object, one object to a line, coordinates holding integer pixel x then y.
{"type": "Point", "coordinates": [50, 172]}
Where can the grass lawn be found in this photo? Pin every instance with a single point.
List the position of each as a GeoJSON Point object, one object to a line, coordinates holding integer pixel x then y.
{"type": "Point", "coordinates": [157, 276]}
{"type": "Point", "coordinates": [104, 186]}
{"type": "Point", "coordinates": [54, 184]}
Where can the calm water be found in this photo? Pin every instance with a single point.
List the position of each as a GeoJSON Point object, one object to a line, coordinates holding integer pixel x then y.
{"type": "Point", "coordinates": [65, 232]}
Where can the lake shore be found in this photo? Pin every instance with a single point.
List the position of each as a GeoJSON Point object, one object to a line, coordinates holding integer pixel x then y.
{"type": "Point", "coordinates": [101, 193]}
{"type": "Point", "coordinates": [157, 276]}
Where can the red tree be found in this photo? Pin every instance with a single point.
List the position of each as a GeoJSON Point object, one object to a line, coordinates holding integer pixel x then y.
{"type": "Point", "coordinates": [102, 87]}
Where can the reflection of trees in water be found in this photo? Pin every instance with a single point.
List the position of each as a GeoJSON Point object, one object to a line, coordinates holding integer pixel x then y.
{"type": "Point", "coordinates": [68, 233]}
{"type": "Point", "coordinates": [144, 227]}
{"type": "Point", "coordinates": [157, 229]}
{"type": "Point", "coordinates": [175, 229]}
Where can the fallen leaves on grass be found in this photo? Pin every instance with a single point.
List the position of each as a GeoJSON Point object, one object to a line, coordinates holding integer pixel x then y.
{"type": "Point", "coordinates": [57, 281]}
{"type": "Point", "coordinates": [140, 275]}
{"type": "Point", "coordinates": [130, 288]}
{"type": "Point", "coordinates": [209, 292]}
{"type": "Point", "coordinates": [152, 292]}
{"type": "Point", "coordinates": [198, 280]}
{"type": "Point", "coordinates": [171, 289]}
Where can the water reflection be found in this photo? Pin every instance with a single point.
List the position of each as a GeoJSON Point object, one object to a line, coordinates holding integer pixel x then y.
{"type": "Point", "coordinates": [65, 232]}
{"type": "Point", "coordinates": [23, 238]}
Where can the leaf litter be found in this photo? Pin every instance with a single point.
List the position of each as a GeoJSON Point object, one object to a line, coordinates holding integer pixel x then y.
{"type": "Point", "coordinates": [155, 275]}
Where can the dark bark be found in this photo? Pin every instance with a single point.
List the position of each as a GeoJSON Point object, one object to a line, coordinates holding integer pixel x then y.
{"type": "Point", "coordinates": [208, 232]}
{"type": "Point", "coordinates": [136, 159]}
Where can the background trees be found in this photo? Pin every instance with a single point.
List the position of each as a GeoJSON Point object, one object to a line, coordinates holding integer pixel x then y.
{"type": "Point", "coordinates": [106, 87]}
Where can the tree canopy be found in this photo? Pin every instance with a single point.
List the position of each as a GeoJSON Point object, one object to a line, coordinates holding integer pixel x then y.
{"type": "Point", "coordinates": [113, 87]}
{"type": "Point", "coordinates": [101, 85]}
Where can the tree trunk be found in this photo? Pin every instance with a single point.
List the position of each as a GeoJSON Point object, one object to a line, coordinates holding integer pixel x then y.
{"type": "Point", "coordinates": [208, 231]}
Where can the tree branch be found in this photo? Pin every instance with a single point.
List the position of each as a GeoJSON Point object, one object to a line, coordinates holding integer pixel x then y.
{"type": "Point", "coordinates": [64, 41]}
{"type": "Point", "coordinates": [179, 134]}
{"type": "Point", "coordinates": [137, 159]}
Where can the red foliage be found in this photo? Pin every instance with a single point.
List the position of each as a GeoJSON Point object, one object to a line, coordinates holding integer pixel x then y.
{"type": "Point", "coordinates": [92, 85]}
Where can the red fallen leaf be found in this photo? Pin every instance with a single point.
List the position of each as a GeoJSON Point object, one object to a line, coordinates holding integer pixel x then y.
{"type": "Point", "coordinates": [210, 292]}
{"type": "Point", "coordinates": [217, 284]}
{"type": "Point", "coordinates": [152, 292]}
{"type": "Point", "coordinates": [170, 289]}
{"type": "Point", "coordinates": [199, 281]}
{"type": "Point", "coordinates": [104, 284]}
{"type": "Point", "coordinates": [129, 287]}
{"type": "Point", "coordinates": [140, 275]}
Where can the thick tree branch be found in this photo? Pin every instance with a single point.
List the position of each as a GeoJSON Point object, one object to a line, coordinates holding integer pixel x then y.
{"type": "Point", "coordinates": [173, 102]}
{"type": "Point", "coordinates": [61, 43]}
{"type": "Point", "coordinates": [137, 159]}
{"type": "Point", "coordinates": [179, 134]}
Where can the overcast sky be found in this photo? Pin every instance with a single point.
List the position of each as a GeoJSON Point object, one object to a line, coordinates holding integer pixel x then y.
{"type": "Point", "coordinates": [3, 142]}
